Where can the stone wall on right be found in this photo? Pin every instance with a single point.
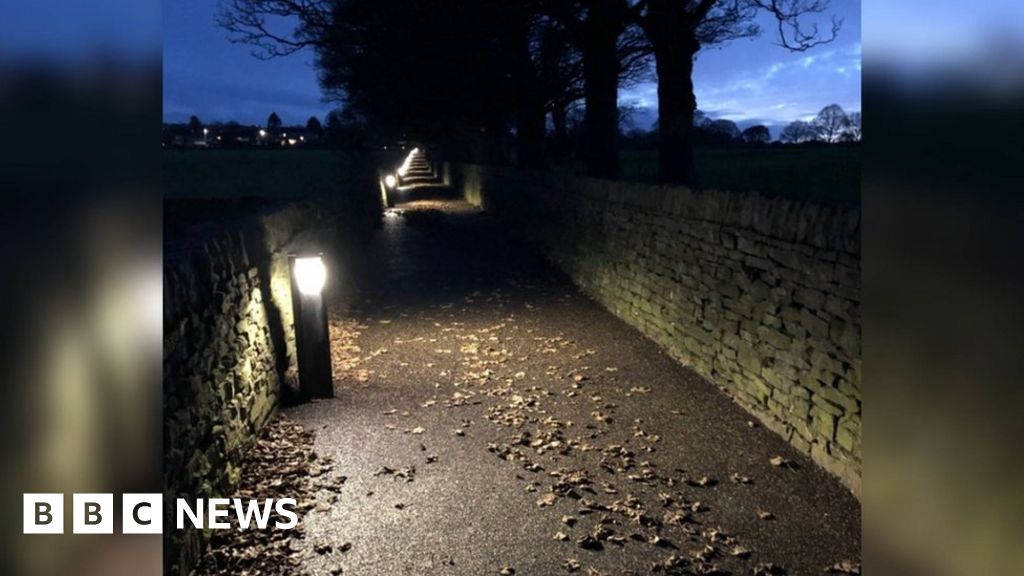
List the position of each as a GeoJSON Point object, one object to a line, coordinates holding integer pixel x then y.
{"type": "Point", "coordinates": [760, 296]}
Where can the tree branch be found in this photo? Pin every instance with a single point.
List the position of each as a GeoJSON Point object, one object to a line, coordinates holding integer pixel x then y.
{"type": "Point", "coordinates": [788, 13]}
{"type": "Point", "coordinates": [247, 23]}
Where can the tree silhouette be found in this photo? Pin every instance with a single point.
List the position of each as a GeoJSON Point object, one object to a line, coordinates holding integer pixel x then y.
{"type": "Point", "coordinates": [721, 132]}
{"type": "Point", "coordinates": [798, 132]}
{"type": "Point", "coordinates": [467, 74]}
{"type": "Point", "coordinates": [344, 129]}
{"type": "Point", "coordinates": [273, 122]}
{"type": "Point", "coordinates": [831, 123]}
{"type": "Point", "coordinates": [314, 127]}
{"type": "Point", "coordinates": [853, 129]}
{"type": "Point", "coordinates": [758, 134]}
{"type": "Point", "coordinates": [678, 30]}
{"type": "Point", "coordinates": [463, 72]}
{"type": "Point", "coordinates": [195, 126]}
{"type": "Point", "coordinates": [597, 28]}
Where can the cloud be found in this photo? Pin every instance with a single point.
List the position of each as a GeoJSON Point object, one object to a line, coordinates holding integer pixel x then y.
{"type": "Point", "coordinates": [791, 87]}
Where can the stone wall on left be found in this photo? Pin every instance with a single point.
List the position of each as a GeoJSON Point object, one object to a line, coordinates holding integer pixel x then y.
{"type": "Point", "coordinates": [228, 354]}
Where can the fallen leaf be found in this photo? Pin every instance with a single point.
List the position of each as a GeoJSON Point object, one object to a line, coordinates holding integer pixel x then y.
{"type": "Point", "coordinates": [588, 542]}
{"type": "Point", "coordinates": [740, 552]}
{"type": "Point", "coordinates": [769, 569]}
{"type": "Point", "coordinates": [738, 478]}
{"type": "Point", "coordinates": [844, 567]}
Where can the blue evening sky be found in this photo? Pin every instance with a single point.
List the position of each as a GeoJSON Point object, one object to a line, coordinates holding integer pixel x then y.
{"type": "Point", "coordinates": [747, 81]}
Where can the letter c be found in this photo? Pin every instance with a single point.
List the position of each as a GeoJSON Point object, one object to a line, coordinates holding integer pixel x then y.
{"type": "Point", "coordinates": [135, 514]}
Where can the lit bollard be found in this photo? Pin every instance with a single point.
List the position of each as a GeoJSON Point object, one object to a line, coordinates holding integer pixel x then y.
{"type": "Point", "coordinates": [312, 339]}
{"type": "Point", "coordinates": [388, 190]}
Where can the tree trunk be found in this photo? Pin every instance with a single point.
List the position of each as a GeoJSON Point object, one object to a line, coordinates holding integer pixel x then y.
{"type": "Point", "coordinates": [530, 111]}
{"type": "Point", "coordinates": [530, 129]}
{"type": "Point", "coordinates": [601, 90]}
{"type": "Point", "coordinates": [560, 122]}
{"type": "Point", "coordinates": [676, 106]}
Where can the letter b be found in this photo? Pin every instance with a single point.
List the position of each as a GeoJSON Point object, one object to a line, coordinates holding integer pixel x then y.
{"type": "Point", "coordinates": [43, 514]}
{"type": "Point", "coordinates": [93, 514]}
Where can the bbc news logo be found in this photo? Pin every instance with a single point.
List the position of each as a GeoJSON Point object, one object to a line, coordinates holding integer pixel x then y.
{"type": "Point", "coordinates": [143, 513]}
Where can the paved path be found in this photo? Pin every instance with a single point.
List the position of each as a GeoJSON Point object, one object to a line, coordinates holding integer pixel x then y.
{"type": "Point", "coordinates": [485, 407]}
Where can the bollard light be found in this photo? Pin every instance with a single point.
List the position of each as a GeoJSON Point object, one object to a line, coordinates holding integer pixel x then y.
{"type": "Point", "coordinates": [312, 339]}
{"type": "Point", "coordinates": [390, 181]}
{"type": "Point", "coordinates": [310, 274]}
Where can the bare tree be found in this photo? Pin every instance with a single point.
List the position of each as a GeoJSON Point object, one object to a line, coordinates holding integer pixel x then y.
{"type": "Point", "coordinates": [678, 30]}
{"type": "Point", "coordinates": [261, 24]}
{"type": "Point", "coordinates": [798, 132]}
{"type": "Point", "coordinates": [831, 123]}
{"type": "Point", "coordinates": [853, 130]}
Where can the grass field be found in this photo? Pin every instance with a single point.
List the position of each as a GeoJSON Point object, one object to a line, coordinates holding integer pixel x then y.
{"type": "Point", "coordinates": [829, 175]}
{"type": "Point", "coordinates": [826, 174]}
{"type": "Point", "coordinates": [227, 174]}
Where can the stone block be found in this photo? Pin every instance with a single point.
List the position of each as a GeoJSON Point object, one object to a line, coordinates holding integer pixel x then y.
{"type": "Point", "coordinates": [823, 423]}
{"type": "Point", "coordinates": [814, 325]}
{"type": "Point", "coordinates": [809, 298]}
{"type": "Point", "coordinates": [848, 436]}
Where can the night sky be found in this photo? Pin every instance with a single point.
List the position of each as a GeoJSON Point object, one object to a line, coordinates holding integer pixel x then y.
{"type": "Point", "coordinates": [747, 81]}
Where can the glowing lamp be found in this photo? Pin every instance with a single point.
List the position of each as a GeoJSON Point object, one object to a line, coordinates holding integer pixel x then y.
{"type": "Point", "coordinates": [263, 133]}
{"type": "Point", "coordinates": [310, 275]}
{"type": "Point", "coordinates": [312, 340]}
{"type": "Point", "coordinates": [390, 181]}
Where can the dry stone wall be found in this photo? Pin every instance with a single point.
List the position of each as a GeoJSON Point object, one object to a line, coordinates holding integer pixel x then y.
{"type": "Point", "coordinates": [760, 296]}
{"type": "Point", "coordinates": [229, 351]}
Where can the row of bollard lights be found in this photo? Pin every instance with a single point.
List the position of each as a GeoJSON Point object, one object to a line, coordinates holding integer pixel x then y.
{"type": "Point", "coordinates": [391, 182]}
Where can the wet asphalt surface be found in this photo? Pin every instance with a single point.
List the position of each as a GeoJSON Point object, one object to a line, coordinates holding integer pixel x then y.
{"type": "Point", "coordinates": [481, 398]}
